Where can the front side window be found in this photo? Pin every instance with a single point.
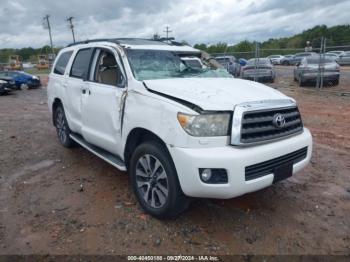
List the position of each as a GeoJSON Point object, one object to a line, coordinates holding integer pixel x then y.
{"type": "Point", "coordinates": [62, 62]}
{"type": "Point", "coordinates": [159, 64]}
{"type": "Point", "coordinates": [81, 63]}
{"type": "Point", "coordinates": [107, 70]}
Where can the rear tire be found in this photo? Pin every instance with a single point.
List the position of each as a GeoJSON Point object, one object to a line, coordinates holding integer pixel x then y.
{"type": "Point", "coordinates": [62, 128]}
{"type": "Point", "coordinates": [154, 181]}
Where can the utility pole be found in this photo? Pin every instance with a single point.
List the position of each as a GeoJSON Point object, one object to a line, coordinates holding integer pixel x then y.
{"type": "Point", "coordinates": [71, 26]}
{"type": "Point", "coordinates": [47, 26]}
{"type": "Point", "coordinates": [167, 31]}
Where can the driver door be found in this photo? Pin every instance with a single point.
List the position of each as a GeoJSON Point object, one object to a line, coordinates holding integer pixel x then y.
{"type": "Point", "coordinates": [102, 102]}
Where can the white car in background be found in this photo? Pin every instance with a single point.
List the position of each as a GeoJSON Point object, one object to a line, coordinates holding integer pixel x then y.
{"type": "Point", "coordinates": [178, 132]}
{"type": "Point", "coordinates": [275, 59]}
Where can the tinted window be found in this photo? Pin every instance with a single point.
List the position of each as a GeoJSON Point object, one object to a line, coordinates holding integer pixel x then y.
{"type": "Point", "coordinates": [62, 62]}
{"type": "Point", "coordinates": [81, 63]}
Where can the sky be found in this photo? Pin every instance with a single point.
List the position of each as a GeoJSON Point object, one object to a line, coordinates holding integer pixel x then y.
{"type": "Point", "coordinates": [195, 21]}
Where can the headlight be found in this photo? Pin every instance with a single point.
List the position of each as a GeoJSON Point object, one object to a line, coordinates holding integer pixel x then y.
{"type": "Point", "coordinates": [35, 77]}
{"type": "Point", "coordinates": [211, 124]}
{"type": "Point", "coordinates": [2, 81]}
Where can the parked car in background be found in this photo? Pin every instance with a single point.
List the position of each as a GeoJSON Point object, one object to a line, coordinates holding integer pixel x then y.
{"type": "Point", "coordinates": [275, 59]}
{"type": "Point", "coordinates": [230, 63]}
{"type": "Point", "coordinates": [242, 62]}
{"type": "Point", "coordinates": [344, 59]}
{"type": "Point", "coordinates": [299, 56]}
{"type": "Point", "coordinates": [10, 81]}
{"type": "Point", "coordinates": [5, 87]}
{"type": "Point", "coordinates": [332, 56]}
{"type": "Point", "coordinates": [260, 69]}
{"type": "Point", "coordinates": [338, 52]}
{"type": "Point", "coordinates": [193, 62]}
{"type": "Point", "coordinates": [22, 79]}
{"type": "Point", "coordinates": [286, 60]}
{"type": "Point", "coordinates": [311, 67]}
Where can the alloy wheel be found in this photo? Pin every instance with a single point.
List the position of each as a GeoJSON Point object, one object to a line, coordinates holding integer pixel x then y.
{"type": "Point", "coordinates": [61, 126]}
{"type": "Point", "coordinates": [152, 181]}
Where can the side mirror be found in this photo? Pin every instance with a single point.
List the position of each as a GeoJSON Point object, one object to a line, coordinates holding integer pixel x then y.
{"type": "Point", "coordinates": [121, 82]}
{"type": "Point", "coordinates": [298, 64]}
{"type": "Point", "coordinates": [231, 63]}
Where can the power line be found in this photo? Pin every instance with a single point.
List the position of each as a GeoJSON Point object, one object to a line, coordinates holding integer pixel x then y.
{"type": "Point", "coordinates": [71, 26]}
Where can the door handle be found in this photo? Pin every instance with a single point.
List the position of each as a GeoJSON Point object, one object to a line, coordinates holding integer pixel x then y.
{"type": "Point", "coordinates": [86, 90]}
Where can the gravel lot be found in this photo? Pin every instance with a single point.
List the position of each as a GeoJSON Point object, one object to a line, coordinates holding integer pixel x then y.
{"type": "Point", "coordinates": [43, 210]}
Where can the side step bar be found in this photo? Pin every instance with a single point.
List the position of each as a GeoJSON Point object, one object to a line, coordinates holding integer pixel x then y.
{"type": "Point", "coordinates": [101, 153]}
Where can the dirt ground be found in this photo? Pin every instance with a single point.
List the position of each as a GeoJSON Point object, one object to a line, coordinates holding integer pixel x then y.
{"type": "Point", "coordinates": [44, 211]}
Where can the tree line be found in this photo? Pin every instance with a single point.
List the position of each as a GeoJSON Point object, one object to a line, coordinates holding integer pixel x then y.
{"type": "Point", "coordinates": [336, 36]}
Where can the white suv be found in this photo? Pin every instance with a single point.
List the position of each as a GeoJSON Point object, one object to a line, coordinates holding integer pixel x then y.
{"type": "Point", "coordinates": [179, 131]}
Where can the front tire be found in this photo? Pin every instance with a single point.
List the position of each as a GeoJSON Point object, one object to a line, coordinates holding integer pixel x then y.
{"type": "Point", "coordinates": [62, 128]}
{"type": "Point", "coordinates": [154, 181]}
{"type": "Point", "coordinates": [24, 87]}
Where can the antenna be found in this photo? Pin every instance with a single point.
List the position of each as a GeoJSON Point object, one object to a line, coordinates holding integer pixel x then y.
{"type": "Point", "coordinates": [71, 26]}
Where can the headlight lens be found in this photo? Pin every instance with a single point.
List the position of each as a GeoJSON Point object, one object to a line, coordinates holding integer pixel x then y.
{"type": "Point", "coordinates": [215, 124]}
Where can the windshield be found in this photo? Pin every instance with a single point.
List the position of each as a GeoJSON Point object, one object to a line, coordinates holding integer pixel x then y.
{"type": "Point", "coordinates": [157, 64]}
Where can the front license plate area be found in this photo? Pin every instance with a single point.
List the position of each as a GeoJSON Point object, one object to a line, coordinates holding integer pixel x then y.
{"type": "Point", "coordinates": [283, 172]}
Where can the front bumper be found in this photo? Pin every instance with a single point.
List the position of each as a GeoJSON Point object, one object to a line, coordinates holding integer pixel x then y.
{"type": "Point", "coordinates": [234, 160]}
{"type": "Point", "coordinates": [34, 83]}
{"type": "Point", "coordinates": [260, 75]}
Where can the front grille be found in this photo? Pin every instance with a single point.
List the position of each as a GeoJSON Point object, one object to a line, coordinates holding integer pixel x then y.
{"type": "Point", "coordinates": [268, 167]}
{"type": "Point", "coordinates": [258, 126]}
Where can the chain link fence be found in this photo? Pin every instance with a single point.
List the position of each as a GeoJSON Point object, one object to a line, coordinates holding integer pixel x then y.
{"type": "Point", "coordinates": [317, 65]}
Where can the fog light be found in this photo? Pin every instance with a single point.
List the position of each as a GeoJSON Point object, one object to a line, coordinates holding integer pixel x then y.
{"type": "Point", "coordinates": [206, 175]}
{"type": "Point", "coordinates": [213, 175]}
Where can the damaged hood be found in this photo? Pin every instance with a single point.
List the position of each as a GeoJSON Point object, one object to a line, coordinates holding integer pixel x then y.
{"type": "Point", "coordinates": [214, 93]}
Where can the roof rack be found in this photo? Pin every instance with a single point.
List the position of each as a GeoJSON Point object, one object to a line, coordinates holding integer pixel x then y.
{"type": "Point", "coordinates": [92, 41]}
{"type": "Point", "coordinates": [166, 41]}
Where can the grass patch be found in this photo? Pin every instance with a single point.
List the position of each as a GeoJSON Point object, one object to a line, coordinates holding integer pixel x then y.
{"type": "Point", "coordinates": [35, 71]}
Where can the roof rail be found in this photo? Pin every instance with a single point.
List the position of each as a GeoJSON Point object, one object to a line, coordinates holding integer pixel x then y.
{"type": "Point", "coordinates": [169, 41]}
{"type": "Point", "coordinates": [93, 40]}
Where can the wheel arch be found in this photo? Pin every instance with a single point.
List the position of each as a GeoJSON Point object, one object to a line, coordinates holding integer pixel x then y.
{"type": "Point", "coordinates": [57, 102]}
{"type": "Point", "coordinates": [136, 137]}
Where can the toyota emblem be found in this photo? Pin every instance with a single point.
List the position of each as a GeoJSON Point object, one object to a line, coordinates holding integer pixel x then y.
{"type": "Point", "coordinates": [279, 121]}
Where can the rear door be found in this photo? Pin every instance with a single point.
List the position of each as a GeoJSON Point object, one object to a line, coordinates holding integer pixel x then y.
{"type": "Point", "coordinates": [76, 86]}
{"type": "Point", "coordinates": [102, 104]}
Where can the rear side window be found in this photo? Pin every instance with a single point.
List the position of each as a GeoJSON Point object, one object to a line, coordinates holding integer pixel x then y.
{"type": "Point", "coordinates": [62, 62]}
{"type": "Point", "coordinates": [81, 63]}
